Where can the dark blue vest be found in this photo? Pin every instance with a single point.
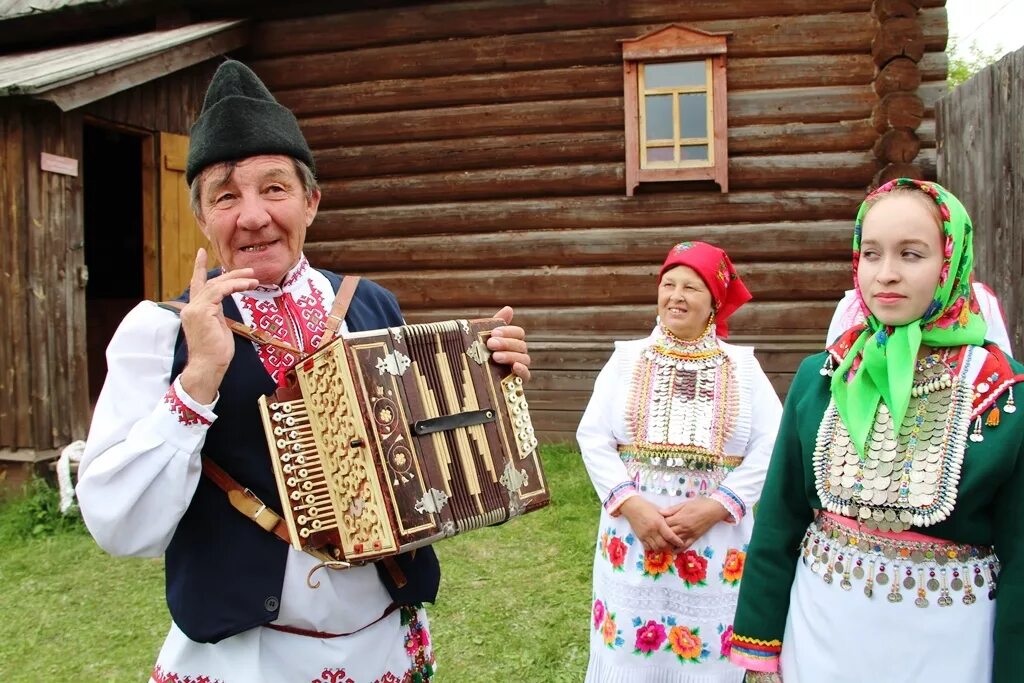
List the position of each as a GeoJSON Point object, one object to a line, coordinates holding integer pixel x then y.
{"type": "Point", "coordinates": [224, 572]}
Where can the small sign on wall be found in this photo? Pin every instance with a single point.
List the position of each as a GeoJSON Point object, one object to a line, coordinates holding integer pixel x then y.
{"type": "Point", "coordinates": [58, 164]}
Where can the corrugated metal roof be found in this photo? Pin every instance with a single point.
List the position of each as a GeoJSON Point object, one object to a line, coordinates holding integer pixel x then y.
{"type": "Point", "coordinates": [9, 9]}
{"type": "Point", "coordinates": [32, 73]}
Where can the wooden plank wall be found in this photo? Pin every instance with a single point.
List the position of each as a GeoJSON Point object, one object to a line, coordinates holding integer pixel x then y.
{"type": "Point", "coordinates": [981, 160]}
{"type": "Point", "coordinates": [44, 401]}
{"type": "Point", "coordinates": [42, 372]}
{"type": "Point", "coordinates": [169, 104]}
{"type": "Point", "coordinates": [471, 155]}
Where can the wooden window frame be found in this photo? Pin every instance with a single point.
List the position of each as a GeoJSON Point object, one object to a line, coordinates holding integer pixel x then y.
{"type": "Point", "coordinates": [674, 43]}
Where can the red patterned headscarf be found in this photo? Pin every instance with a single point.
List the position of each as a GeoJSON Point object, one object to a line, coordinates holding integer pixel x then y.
{"type": "Point", "coordinates": [715, 268]}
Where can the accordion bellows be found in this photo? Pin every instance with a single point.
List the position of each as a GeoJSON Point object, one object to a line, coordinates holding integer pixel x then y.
{"type": "Point", "coordinates": [387, 440]}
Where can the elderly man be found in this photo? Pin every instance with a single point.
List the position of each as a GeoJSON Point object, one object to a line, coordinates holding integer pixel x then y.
{"type": "Point", "coordinates": [177, 426]}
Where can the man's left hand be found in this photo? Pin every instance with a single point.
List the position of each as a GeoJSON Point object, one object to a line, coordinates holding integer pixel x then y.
{"type": "Point", "coordinates": [508, 344]}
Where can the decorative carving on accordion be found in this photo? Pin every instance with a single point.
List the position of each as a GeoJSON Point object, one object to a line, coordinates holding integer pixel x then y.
{"type": "Point", "coordinates": [328, 476]}
{"type": "Point", "coordinates": [386, 440]}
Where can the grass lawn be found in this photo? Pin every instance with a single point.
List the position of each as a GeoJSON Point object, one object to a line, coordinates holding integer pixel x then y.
{"type": "Point", "coordinates": [513, 606]}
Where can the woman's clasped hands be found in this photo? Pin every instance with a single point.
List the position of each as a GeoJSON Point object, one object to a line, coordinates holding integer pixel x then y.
{"type": "Point", "coordinates": [674, 528]}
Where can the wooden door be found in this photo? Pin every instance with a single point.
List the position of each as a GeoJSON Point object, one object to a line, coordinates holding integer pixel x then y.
{"type": "Point", "coordinates": [180, 237]}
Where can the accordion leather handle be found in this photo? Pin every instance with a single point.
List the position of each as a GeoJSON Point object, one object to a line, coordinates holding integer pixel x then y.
{"type": "Point", "coordinates": [258, 336]}
{"type": "Point", "coordinates": [342, 300]}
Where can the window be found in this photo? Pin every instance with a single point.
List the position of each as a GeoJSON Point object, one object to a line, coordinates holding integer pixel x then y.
{"type": "Point", "coordinates": [675, 101]}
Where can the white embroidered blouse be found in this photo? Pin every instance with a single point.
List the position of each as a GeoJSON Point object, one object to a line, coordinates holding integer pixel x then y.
{"type": "Point", "coordinates": [605, 427]}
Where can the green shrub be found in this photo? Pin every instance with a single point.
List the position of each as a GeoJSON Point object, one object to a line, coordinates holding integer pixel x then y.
{"type": "Point", "coordinates": [36, 514]}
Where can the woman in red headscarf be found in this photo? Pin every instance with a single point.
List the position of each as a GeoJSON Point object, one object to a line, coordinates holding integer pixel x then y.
{"type": "Point", "coordinates": [676, 439]}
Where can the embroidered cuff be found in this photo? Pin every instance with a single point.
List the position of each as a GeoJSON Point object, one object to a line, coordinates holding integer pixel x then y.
{"type": "Point", "coordinates": [754, 654]}
{"type": "Point", "coordinates": [187, 410]}
{"type": "Point", "coordinates": [731, 502]}
{"type": "Point", "coordinates": [618, 495]}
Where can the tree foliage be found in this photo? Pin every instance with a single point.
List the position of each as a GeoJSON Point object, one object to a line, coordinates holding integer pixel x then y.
{"type": "Point", "coordinates": [965, 60]}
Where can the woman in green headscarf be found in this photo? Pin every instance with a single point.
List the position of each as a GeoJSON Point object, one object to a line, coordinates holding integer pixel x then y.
{"type": "Point", "coordinates": [895, 495]}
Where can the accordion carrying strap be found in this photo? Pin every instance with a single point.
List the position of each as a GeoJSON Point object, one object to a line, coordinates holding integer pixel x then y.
{"type": "Point", "coordinates": [340, 308]}
{"type": "Point", "coordinates": [252, 334]}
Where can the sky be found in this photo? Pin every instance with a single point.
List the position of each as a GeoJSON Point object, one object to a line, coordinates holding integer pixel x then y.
{"type": "Point", "coordinates": [997, 26]}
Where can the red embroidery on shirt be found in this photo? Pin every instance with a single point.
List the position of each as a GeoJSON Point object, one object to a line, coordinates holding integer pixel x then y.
{"type": "Point", "coordinates": [185, 415]}
{"type": "Point", "coordinates": [300, 270]}
{"type": "Point", "coordinates": [333, 676]}
{"type": "Point", "coordinates": [161, 676]}
{"type": "Point", "coordinates": [298, 322]}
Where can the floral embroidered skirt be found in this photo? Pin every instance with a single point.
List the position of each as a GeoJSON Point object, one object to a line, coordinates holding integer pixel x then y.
{"type": "Point", "coordinates": [395, 650]}
{"type": "Point", "coordinates": [665, 617]}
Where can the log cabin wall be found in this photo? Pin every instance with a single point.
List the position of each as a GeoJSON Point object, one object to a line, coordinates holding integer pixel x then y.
{"type": "Point", "coordinates": [44, 401]}
{"type": "Point", "coordinates": [471, 155]}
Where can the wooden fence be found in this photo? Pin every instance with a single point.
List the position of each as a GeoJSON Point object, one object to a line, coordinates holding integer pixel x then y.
{"type": "Point", "coordinates": [981, 160]}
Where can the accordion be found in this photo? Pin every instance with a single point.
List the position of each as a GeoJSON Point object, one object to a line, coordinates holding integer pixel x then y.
{"type": "Point", "coordinates": [387, 440]}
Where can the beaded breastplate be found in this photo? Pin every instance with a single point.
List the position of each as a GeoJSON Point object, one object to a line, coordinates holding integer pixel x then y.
{"type": "Point", "coordinates": [683, 402]}
{"type": "Point", "coordinates": [910, 472]}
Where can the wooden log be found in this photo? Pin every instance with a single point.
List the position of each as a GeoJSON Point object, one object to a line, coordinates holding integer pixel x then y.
{"type": "Point", "coordinates": [899, 75]}
{"type": "Point", "coordinates": [556, 399]}
{"type": "Point", "coordinates": [630, 321]}
{"type": "Point", "coordinates": [783, 105]}
{"type": "Point", "coordinates": [891, 171]}
{"type": "Point", "coordinates": [532, 181]}
{"type": "Point", "coordinates": [794, 138]}
{"type": "Point", "coordinates": [745, 242]}
{"type": "Point", "coordinates": [593, 285]}
{"type": "Point", "coordinates": [799, 71]}
{"type": "Point", "coordinates": [561, 380]}
{"type": "Point", "coordinates": [897, 110]}
{"type": "Point", "coordinates": [931, 92]}
{"type": "Point", "coordinates": [926, 133]}
{"type": "Point", "coordinates": [386, 26]}
{"type": "Point", "coordinates": [888, 9]}
{"type": "Point", "coordinates": [506, 151]}
{"type": "Point", "coordinates": [800, 105]}
{"type": "Point", "coordinates": [751, 37]}
{"type": "Point", "coordinates": [590, 114]}
{"type": "Point", "coordinates": [501, 151]}
{"type": "Point", "coordinates": [852, 169]}
{"type": "Point", "coordinates": [935, 26]}
{"type": "Point", "coordinates": [933, 66]}
{"type": "Point", "coordinates": [585, 212]}
{"type": "Point", "coordinates": [897, 144]}
{"type": "Point", "coordinates": [749, 172]}
{"type": "Point", "coordinates": [898, 37]}
{"type": "Point", "coordinates": [557, 84]}
{"type": "Point", "coordinates": [449, 91]}
{"type": "Point", "coordinates": [557, 420]}
{"type": "Point", "coordinates": [569, 355]}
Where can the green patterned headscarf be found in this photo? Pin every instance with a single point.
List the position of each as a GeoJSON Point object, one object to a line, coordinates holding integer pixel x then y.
{"type": "Point", "coordinates": [879, 365]}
